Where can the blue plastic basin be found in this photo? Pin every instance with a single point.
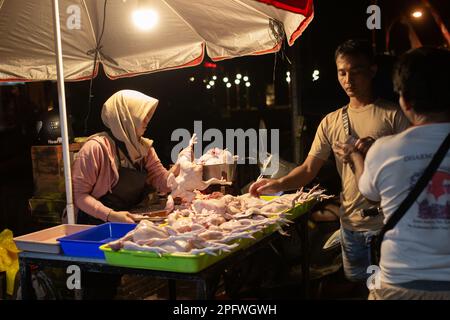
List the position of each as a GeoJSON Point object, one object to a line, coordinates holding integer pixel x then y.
{"type": "Point", "coordinates": [86, 243]}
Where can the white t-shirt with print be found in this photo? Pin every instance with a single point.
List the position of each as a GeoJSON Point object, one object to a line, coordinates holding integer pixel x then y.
{"type": "Point", "coordinates": [418, 247]}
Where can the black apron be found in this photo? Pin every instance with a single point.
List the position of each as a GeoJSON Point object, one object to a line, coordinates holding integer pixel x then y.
{"type": "Point", "coordinates": [129, 191]}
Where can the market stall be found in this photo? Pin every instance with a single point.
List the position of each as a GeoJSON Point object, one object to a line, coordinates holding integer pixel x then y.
{"type": "Point", "coordinates": [87, 33]}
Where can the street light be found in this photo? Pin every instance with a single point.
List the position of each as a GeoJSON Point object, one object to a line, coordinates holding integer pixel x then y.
{"type": "Point", "coordinates": [417, 14]}
{"type": "Point", "coordinates": [413, 38]}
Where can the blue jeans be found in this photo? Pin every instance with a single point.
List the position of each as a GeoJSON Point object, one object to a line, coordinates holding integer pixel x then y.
{"type": "Point", "coordinates": [356, 253]}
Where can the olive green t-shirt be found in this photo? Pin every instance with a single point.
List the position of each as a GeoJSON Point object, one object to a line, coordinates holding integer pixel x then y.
{"type": "Point", "coordinates": [375, 120]}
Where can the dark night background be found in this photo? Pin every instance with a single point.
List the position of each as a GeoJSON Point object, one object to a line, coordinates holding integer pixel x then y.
{"type": "Point", "coordinates": [183, 101]}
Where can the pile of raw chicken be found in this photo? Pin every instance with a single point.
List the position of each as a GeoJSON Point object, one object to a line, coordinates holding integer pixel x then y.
{"type": "Point", "coordinates": [211, 223]}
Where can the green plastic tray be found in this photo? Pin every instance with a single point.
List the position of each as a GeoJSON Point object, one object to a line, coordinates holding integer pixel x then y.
{"type": "Point", "coordinates": [177, 262]}
{"type": "Point", "coordinates": [187, 263]}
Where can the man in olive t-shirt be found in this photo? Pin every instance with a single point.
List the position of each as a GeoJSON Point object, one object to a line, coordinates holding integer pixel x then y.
{"type": "Point", "coordinates": [368, 118]}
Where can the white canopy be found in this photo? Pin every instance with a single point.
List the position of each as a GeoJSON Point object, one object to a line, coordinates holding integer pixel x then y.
{"type": "Point", "coordinates": [185, 28]}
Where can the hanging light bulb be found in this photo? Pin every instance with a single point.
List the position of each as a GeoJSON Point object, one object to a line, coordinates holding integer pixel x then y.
{"type": "Point", "coordinates": [144, 17]}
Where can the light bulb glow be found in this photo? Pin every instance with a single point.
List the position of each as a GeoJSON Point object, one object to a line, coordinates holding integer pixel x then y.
{"type": "Point", "coordinates": [417, 14]}
{"type": "Point", "coordinates": [145, 19]}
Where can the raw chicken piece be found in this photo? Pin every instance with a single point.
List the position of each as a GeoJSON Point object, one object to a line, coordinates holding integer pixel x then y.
{"type": "Point", "coordinates": [230, 225]}
{"type": "Point", "coordinates": [183, 225]}
{"type": "Point", "coordinates": [144, 231]}
{"type": "Point", "coordinates": [211, 235]}
{"type": "Point", "coordinates": [147, 230]}
{"type": "Point", "coordinates": [129, 245]}
{"type": "Point", "coordinates": [212, 205]}
{"type": "Point", "coordinates": [216, 156]}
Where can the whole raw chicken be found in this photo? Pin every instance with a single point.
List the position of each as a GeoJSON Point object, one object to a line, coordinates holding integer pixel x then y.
{"type": "Point", "coordinates": [189, 178]}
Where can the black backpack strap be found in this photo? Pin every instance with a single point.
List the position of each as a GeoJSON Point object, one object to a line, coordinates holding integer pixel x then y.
{"type": "Point", "coordinates": [416, 191]}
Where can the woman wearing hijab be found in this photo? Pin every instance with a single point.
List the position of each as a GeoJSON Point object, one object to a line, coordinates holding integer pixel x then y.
{"type": "Point", "coordinates": [114, 169]}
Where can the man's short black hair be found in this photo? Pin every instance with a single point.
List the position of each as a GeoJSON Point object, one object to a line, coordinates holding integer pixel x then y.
{"type": "Point", "coordinates": [353, 47]}
{"type": "Point", "coordinates": [422, 77]}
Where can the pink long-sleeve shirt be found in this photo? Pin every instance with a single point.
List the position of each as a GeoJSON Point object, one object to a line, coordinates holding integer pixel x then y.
{"type": "Point", "coordinates": [95, 173]}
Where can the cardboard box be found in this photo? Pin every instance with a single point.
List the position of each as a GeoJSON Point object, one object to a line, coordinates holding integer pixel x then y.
{"type": "Point", "coordinates": [48, 169]}
{"type": "Point", "coordinates": [45, 211]}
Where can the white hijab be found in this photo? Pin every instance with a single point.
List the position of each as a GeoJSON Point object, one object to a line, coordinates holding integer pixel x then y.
{"type": "Point", "coordinates": [122, 113]}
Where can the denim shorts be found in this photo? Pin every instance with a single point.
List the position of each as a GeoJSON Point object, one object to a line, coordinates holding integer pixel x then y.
{"type": "Point", "coordinates": [356, 253]}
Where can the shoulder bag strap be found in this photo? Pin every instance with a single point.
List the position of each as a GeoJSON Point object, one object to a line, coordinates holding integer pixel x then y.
{"type": "Point", "coordinates": [416, 191]}
{"type": "Point", "coordinates": [346, 121]}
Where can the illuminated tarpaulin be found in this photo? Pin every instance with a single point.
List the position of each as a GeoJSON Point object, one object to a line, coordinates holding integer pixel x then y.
{"type": "Point", "coordinates": [182, 34]}
{"type": "Point", "coordinates": [131, 37]}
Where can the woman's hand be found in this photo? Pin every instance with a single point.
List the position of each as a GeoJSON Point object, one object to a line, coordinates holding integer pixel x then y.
{"type": "Point", "coordinates": [265, 186]}
{"type": "Point", "coordinates": [120, 216]}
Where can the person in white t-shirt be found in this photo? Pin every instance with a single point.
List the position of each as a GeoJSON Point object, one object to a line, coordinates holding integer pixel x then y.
{"type": "Point", "coordinates": [415, 254]}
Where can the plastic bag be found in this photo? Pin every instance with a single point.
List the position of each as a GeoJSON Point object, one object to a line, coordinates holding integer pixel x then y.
{"type": "Point", "coordinates": [9, 260]}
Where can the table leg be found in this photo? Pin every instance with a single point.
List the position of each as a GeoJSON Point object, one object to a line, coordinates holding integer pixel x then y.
{"type": "Point", "coordinates": [202, 290]}
{"type": "Point", "coordinates": [172, 289]}
{"type": "Point", "coordinates": [25, 280]}
{"type": "Point", "coordinates": [304, 230]}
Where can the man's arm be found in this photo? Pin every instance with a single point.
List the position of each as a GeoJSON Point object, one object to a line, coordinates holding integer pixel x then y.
{"type": "Point", "coordinates": [297, 178]}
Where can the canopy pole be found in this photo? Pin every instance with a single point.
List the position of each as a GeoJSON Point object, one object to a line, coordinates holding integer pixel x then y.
{"type": "Point", "coordinates": [63, 113]}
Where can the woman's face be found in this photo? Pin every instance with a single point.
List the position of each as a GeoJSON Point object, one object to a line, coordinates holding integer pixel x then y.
{"type": "Point", "coordinates": [141, 130]}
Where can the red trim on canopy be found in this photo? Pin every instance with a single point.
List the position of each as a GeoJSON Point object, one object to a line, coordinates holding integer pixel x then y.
{"type": "Point", "coordinates": [300, 29]}
{"type": "Point", "coordinates": [297, 6]}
